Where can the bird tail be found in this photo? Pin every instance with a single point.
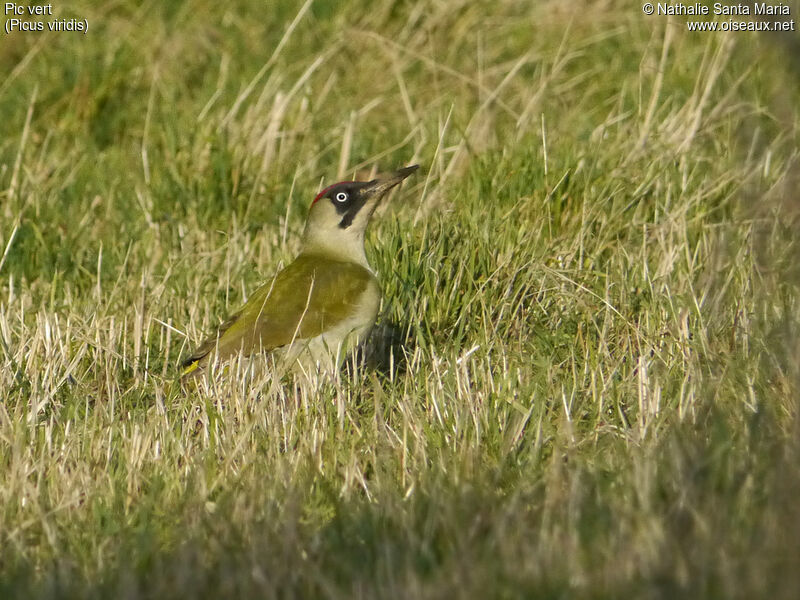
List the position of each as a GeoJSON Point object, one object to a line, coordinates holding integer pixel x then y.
{"type": "Point", "coordinates": [193, 364]}
{"type": "Point", "coordinates": [190, 366]}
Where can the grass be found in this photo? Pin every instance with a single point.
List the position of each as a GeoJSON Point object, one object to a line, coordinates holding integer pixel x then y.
{"type": "Point", "coordinates": [597, 266]}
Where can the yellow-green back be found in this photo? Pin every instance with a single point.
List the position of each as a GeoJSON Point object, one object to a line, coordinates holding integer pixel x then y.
{"type": "Point", "coordinates": [310, 296]}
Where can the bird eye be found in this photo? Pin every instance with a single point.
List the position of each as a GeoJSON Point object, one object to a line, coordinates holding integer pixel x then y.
{"type": "Point", "coordinates": [341, 196]}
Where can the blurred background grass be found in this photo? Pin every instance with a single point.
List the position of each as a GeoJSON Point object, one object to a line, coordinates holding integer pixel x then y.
{"type": "Point", "coordinates": [598, 268]}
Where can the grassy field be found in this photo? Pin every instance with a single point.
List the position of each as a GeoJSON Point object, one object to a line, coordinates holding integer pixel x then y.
{"type": "Point", "coordinates": [597, 266]}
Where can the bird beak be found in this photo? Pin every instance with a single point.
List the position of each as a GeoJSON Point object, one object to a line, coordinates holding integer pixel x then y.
{"type": "Point", "coordinates": [378, 187]}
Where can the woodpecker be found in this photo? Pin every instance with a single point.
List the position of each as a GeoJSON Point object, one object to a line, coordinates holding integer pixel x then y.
{"type": "Point", "coordinates": [324, 302]}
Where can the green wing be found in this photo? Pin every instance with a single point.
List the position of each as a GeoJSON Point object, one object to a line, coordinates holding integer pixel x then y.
{"type": "Point", "coordinates": [307, 298]}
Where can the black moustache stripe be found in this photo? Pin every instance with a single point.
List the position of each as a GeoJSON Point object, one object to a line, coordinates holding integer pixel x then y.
{"type": "Point", "coordinates": [351, 212]}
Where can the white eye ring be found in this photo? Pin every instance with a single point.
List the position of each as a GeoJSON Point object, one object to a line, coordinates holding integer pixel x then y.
{"type": "Point", "coordinates": [341, 196]}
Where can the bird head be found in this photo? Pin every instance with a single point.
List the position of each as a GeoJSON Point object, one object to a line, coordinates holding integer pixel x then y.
{"type": "Point", "coordinates": [340, 213]}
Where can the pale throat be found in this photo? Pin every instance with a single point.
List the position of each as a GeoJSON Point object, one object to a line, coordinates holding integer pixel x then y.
{"type": "Point", "coordinates": [344, 245]}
